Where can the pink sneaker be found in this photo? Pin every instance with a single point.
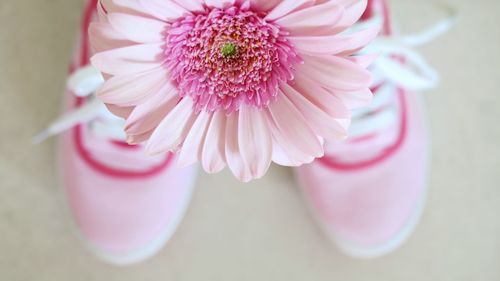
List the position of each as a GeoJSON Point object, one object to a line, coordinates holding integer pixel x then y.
{"type": "Point", "coordinates": [126, 205]}
{"type": "Point", "coordinates": [368, 192]}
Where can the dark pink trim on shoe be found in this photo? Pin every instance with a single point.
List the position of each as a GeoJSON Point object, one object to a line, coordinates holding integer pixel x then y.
{"type": "Point", "coordinates": [332, 163]}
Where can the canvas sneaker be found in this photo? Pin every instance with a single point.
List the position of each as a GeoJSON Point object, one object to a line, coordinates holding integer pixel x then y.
{"type": "Point", "coordinates": [126, 205]}
{"type": "Point", "coordinates": [368, 192]}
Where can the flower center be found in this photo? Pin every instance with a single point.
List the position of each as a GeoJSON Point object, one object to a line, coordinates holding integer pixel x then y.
{"type": "Point", "coordinates": [229, 50]}
{"type": "Point", "coordinates": [223, 58]}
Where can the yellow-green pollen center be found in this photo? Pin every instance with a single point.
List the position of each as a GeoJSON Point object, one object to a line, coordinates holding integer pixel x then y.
{"type": "Point", "coordinates": [229, 50]}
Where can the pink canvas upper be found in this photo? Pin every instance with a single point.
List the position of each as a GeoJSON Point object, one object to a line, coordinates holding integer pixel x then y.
{"type": "Point", "coordinates": [120, 214]}
{"type": "Point", "coordinates": [366, 189]}
{"type": "Point", "coordinates": [120, 198]}
{"type": "Point", "coordinates": [370, 204]}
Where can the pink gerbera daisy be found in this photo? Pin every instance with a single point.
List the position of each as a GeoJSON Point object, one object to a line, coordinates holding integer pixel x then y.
{"type": "Point", "coordinates": [240, 83]}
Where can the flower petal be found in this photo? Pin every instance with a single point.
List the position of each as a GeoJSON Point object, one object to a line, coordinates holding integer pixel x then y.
{"type": "Point", "coordinates": [148, 115]}
{"type": "Point", "coordinates": [130, 90]}
{"type": "Point", "coordinates": [335, 72]}
{"type": "Point", "coordinates": [363, 60]}
{"type": "Point", "coordinates": [103, 37]}
{"type": "Point", "coordinates": [166, 10]}
{"type": "Point", "coordinates": [123, 6]}
{"type": "Point", "coordinates": [192, 5]}
{"type": "Point", "coordinates": [334, 44]}
{"type": "Point", "coordinates": [291, 132]}
{"type": "Point", "coordinates": [261, 5]}
{"type": "Point", "coordinates": [213, 156]}
{"type": "Point", "coordinates": [172, 131]}
{"type": "Point", "coordinates": [193, 145]}
{"type": "Point", "coordinates": [218, 3]}
{"type": "Point", "coordinates": [312, 19]}
{"type": "Point", "coordinates": [255, 141]}
{"type": "Point", "coordinates": [129, 60]}
{"type": "Point", "coordinates": [285, 7]}
{"type": "Point", "coordinates": [122, 112]}
{"type": "Point", "coordinates": [356, 99]}
{"type": "Point", "coordinates": [354, 9]}
{"type": "Point", "coordinates": [139, 139]}
{"type": "Point", "coordinates": [321, 97]}
{"type": "Point", "coordinates": [323, 124]}
{"type": "Point", "coordinates": [233, 155]}
{"type": "Point", "coordinates": [138, 29]}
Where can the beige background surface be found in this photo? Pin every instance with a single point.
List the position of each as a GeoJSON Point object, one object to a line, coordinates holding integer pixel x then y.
{"type": "Point", "coordinates": [259, 231]}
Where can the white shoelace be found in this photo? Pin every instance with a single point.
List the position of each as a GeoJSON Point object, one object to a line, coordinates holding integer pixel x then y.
{"type": "Point", "coordinates": [410, 71]}
{"type": "Point", "coordinates": [84, 83]}
{"type": "Point", "coordinates": [414, 74]}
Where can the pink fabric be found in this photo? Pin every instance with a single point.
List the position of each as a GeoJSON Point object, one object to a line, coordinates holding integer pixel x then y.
{"type": "Point", "coordinates": [370, 149]}
{"type": "Point", "coordinates": [121, 215]}
{"type": "Point", "coordinates": [121, 199]}
{"type": "Point", "coordinates": [365, 191]}
{"type": "Point", "coordinates": [369, 206]}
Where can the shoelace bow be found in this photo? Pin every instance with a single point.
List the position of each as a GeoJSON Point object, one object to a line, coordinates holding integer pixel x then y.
{"type": "Point", "coordinates": [398, 66]}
